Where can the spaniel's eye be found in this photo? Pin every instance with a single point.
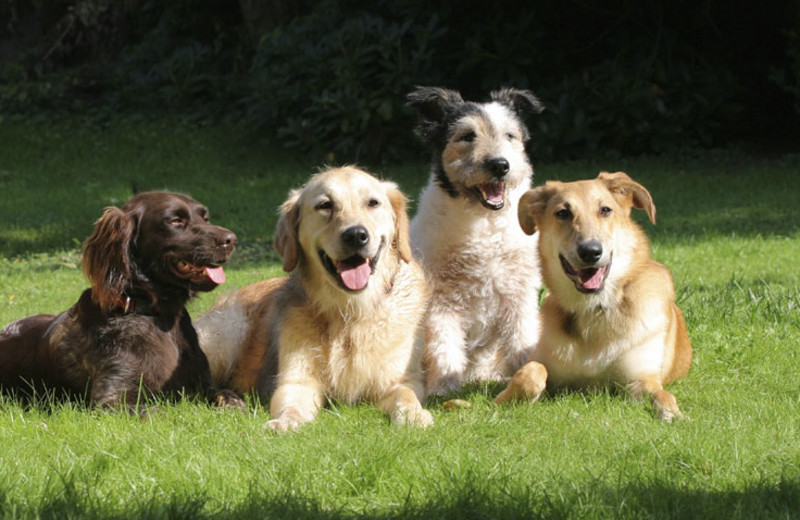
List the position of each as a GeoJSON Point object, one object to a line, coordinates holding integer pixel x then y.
{"type": "Point", "coordinates": [563, 214]}
{"type": "Point", "coordinates": [373, 203]}
{"type": "Point", "coordinates": [325, 205]}
{"type": "Point", "coordinates": [511, 137]}
{"type": "Point", "coordinates": [605, 211]}
{"type": "Point", "coordinates": [467, 138]}
{"type": "Point", "coordinates": [177, 221]}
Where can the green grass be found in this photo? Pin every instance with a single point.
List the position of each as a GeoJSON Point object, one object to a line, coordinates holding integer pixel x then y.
{"type": "Point", "coordinates": [728, 227]}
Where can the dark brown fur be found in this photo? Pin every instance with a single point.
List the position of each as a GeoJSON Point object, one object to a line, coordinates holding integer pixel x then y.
{"type": "Point", "coordinates": [106, 352]}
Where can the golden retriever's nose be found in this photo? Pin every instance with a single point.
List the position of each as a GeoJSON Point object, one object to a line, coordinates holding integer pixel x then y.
{"type": "Point", "coordinates": [590, 251]}
{"type": "Point", "coordinates": [355, 237]}
{"type": "Point", "coordinates": [498, 166]}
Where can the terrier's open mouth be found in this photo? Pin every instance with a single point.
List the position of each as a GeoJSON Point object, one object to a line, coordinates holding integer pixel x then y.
{"type": "Point", "coordinates": [492, 194]}
{"type": "Point", "coordinates": [588, 279]}
{"type": "Point", "coordinates": [352, 273]}
{"type": "Point", "coordinates": [200, 273]}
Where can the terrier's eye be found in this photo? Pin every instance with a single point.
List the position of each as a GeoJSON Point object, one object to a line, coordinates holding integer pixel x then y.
{"type": "Point", "coordinates": [563, 214]}
{"type": "Point", "coordinates": [605, 211]}
{"type": "Point", "coordinates": [467, 138]}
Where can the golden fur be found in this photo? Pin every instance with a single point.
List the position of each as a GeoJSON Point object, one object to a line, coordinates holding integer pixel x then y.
{"type": "Point", "coordinates": [321, 333]}
{"type": "Point", "coordinates": [610, 317]}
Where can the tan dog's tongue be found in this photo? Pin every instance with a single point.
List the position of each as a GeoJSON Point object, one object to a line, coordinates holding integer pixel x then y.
{"type": "Point", "coordinates": [592, 278]}
{"type": "Point", "coordinates": [356, 277]}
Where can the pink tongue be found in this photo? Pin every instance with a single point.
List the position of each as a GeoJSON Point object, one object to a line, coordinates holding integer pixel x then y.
{"type": "Point", "coordinates": [592, 278]}
{"type": "Point", "coordinates": [493, 192]}
{"type": "Point", "coordinates": [215, 274]}
{"type": "Point", "coordinates": [356, 277]}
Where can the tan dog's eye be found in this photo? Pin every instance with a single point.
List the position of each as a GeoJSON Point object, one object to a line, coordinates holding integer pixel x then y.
{"type": "Point", "coordinates": [563, 214]}
{"type": "Point", "coordinates": [605, 211]}
{"type": "Point", "coordinates": [373, 203]}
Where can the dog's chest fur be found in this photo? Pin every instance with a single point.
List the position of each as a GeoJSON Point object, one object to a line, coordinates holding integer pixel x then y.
{"type": "Point", "coordinates": [362, 353]}
{"type": "Point", "coordinates": [127, 344]}
{"type": "Point", "coordinates": [479, 261]}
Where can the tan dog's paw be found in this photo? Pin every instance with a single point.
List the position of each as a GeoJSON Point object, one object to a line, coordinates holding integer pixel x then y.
{"type": "Point", "coordinates": [229, 399]}
{"type": "Point", "coordinates": [527, 384]}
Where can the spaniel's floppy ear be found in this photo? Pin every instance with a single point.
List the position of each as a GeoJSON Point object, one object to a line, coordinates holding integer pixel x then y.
{"type": "Point", "coordinates": [626, 189]}
{"type": "Point", "coordinates": [531, 207]}
{"type": "Point", "coordinates": [402, 239]}
{"type": "Point", "coordinates": [106, 255]}
{"type": "Point", "coordinates": [287, 243]}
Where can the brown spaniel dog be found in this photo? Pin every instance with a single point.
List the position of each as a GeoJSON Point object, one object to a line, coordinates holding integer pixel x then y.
{"type": "Point", "coordinates": [130, 331]}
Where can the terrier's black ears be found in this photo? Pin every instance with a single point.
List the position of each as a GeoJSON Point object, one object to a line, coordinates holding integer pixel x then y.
{"type": "Point", "coordinates": [522, 102]}
{"type": "Point", "coordinates": [432, 104]}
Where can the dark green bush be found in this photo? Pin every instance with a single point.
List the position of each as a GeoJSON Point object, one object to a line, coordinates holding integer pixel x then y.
{"type": "Point", "coordinates": [334, 81]}
{"type": "Point", "coordinates": [617, 77]}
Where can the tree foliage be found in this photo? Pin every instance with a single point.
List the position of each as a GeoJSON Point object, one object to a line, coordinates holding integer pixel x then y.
{"type": "Point", "coordinates": [329, 77]}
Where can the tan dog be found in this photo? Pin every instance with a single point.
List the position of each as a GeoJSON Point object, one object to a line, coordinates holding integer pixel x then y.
{"type": "Point", "coordinates": [610, 317]}
{"type": "Point", "coordinates": [344, 324]}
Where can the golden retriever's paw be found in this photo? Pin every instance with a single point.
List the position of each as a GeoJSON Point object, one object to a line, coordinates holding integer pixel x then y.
{"type": "Point", "coordinates": [229, 399]}
{"type": "Point", "coordinates": [419, 417]}
{"type": "Point", "coordinates": [283, 425]}
{"type": "Point", "coordinates": [528, 384]}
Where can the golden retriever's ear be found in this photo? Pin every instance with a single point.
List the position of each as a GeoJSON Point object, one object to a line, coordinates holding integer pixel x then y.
{"type": "Point", "coordinates": [621, 185]}
{"type": "Point", "coordinates": [531, 207]}
{"type": "Point", "coordinates": [106, 255]}
{"type": "Point", "coordinates": [402, 239]}
{"type": "Point", "coordinates": [287, 243]}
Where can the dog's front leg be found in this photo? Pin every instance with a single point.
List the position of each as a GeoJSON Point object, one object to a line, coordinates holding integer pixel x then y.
{"type": "Point", "coordinates": [528, 384]}
{"type": "Point", "coordinates": [663, 402]}
{"type": "Point", "coordinates": [293, 405]}
{"type": "Point", "coordinates": [403, 406]}
{"type": "Point", "coordinates": [445, 357]}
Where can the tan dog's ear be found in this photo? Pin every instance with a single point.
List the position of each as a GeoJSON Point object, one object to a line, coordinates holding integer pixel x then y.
{"type": "Point", "coordinates": [287, 243]}
{"type": "Point", "coordinates": [531, 207]}
{"type": "Point", "coordinates": [402, 239]}
{"type": "Point", "coordinates": [106, 255]}
{"type": "Point", "coordinates": [621, 185]}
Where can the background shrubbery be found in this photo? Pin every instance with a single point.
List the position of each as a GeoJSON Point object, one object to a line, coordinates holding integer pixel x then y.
{"type": "Point", "coordinates": [329, 77]}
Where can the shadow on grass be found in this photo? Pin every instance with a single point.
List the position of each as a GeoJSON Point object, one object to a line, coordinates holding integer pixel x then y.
{"type": "Point", "coordinates": [464, 501]}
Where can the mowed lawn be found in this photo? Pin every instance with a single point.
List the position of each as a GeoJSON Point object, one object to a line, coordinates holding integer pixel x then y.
{"type": "Point", "coordinates": [728, 227]}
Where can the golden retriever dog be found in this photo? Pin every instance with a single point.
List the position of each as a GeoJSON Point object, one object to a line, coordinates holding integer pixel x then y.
{"type": "Point", "coordinates": [481, 321]}
{"type": "Point", "coordinates": [610, 316]}
{"type": "Point", "coordinates": [343, 324]}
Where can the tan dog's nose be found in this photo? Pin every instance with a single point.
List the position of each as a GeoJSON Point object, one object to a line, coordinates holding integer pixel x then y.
{"type": "Point", "coordinates": [590, 251]}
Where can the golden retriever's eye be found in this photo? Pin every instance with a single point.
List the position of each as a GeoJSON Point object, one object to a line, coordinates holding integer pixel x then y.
{"type": "Point", "coordinates": [467, 137]}
{"type": "Point", "coordinates": [563, 214]}
{"type": "Point", "coordinates": [605, 211]}
{"type": "Point", "coordinates": [373, 203]}
{"type": "Point", "coordinates": [324, 205]}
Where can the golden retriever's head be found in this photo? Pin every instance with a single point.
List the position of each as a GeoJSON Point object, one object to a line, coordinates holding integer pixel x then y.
{"type": "Point", "coordinates": [584, 225]}
{"type": "Point", "coordinates": [342, 226]}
